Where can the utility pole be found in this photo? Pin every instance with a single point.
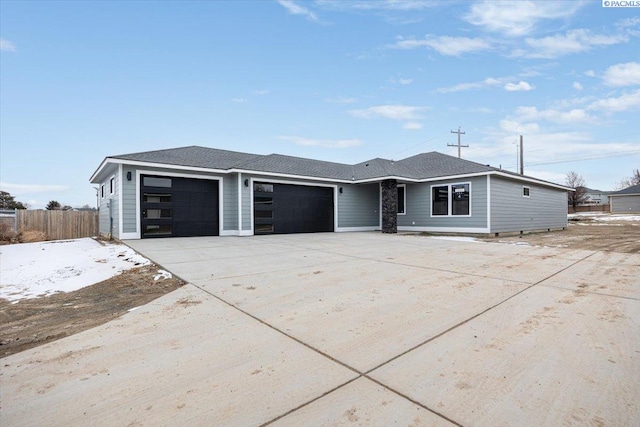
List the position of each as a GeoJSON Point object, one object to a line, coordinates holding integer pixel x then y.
{"type": "Point", "coordinates": [521, 156]}
{"type": "Point", "coordinates": [458, 145]}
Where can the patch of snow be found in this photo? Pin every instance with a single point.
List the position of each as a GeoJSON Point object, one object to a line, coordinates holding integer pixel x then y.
{"type": "Point", "coordinates": [508, 242]}
{"type": "Point", "coordinates": [603, 216]}
{"type": "Point", "coordinates": [456, 238]}
{"type": "Point", "coordinates": [162, 274]}
{"type": "Point", "coordinates": [30, 270]}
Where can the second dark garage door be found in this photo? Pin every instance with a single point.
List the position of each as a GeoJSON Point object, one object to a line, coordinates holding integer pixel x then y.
{"type": "Point", "coordinates": [286, 208]}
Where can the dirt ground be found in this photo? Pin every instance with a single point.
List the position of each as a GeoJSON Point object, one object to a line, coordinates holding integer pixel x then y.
{"type": "Point", "coordinates": [585, 233]}
{"type": "Point", "coordinates": [33, 322]}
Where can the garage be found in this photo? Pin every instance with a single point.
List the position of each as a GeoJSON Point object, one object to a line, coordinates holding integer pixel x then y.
{"type": "Point", "coordinates": [178, 207]}
{"type": "Point", "coordinates": [288, 208]}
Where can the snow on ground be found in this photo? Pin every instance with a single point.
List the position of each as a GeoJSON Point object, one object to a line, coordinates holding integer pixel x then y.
{"type": "Point", "coordinates": [30, 270]}
{"type": "Point", "coordinates": [603, 216]}
{"type": "Point", "coordinates": [457, 238]}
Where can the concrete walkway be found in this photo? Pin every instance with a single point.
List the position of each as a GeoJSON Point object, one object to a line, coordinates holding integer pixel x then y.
{"type": "Point", "coordinates": [351, 329]}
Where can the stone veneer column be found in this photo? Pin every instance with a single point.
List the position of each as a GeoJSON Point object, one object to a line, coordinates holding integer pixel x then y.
{"type": "Point", "coordinates": [389, 206]}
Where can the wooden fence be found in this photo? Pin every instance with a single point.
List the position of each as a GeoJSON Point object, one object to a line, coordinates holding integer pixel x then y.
{"type": "Point", "coordinates": [59, 225]}
{"type": "Point", "coordinates": [589, 208]}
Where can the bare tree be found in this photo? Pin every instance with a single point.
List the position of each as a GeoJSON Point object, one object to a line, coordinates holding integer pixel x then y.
{"type": "Point", "coordinates": [628, 182]}
{"type": "Point", "coordinates": [575, 180]}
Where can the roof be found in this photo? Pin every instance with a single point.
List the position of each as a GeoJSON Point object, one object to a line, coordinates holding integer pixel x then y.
{"type": "Point", "coordinates": [634, 189]}
{"type": "Point", "coordinates": [420, 167]}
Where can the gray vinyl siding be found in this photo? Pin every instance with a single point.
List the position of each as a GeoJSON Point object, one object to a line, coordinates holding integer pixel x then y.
{"type": "Point", "coordinates": [545, 208]}
{"type": "Point", "coordinates": [247, 193]}
{"type": "Point", "coordinates": [129, 224]}
{"type": "Point", "coordinates": [106, 213]}
{"type": "Point", "coordinates": [625, 204]}
{"type": "Point", "coordinates": [418, 206]}
{"type": "Point", "coordinates": [230, 200]}
{"type": "Point", "coordinates": [359, 205]}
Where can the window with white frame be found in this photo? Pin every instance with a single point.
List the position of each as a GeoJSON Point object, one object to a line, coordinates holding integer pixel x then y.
{"type": "Point", "coordinates": [112, 185]}
{"type": "Point", "coordinates": [402, 199]}
{"type": "Point", "coordinates": [102, 191]}
{"type": "Point", "coordinates": [525, 191]}
{"type": "Point", "coordinates": [451, 199]}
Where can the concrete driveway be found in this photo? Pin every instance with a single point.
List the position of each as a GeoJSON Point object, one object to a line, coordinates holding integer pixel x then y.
{"type": "Point", "coordinates": [352, 329]}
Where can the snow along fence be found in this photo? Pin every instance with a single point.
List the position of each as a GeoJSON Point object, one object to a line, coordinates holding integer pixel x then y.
{"type": "Point", "coordinates": [58, 225]}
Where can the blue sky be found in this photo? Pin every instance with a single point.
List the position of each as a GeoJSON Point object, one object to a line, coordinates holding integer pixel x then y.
{"type": "Point", "coordinates": [343, 81]}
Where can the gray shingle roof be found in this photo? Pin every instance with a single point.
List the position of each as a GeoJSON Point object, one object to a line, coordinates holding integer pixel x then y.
{"type": "Point", "coordinates": [634, 189]}
{"type": "Point", "coordinates": [194, 156]}
{"type": "Point", "coordinates": [418, 167]}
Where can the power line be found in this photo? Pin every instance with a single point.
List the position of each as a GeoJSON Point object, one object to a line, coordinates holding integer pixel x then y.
{"type": "Point", "coordinates": [590, 157]}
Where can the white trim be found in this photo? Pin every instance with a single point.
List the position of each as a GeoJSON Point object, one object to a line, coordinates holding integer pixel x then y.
{"type": "Point", "coordinates": [355, 229]}
{"type": "Point", "coordinates": [240, 203]}
{"type": "Point", "coordinates": [154, 165]}
{"type": "Point", "coordinates": [450, 200]}
{"type": "Point", "coordinates": [489, 202]}
{"type": "Point", "coordinates": [305, 183]}
{"type": "Point", "coordinates": [220, 180]}
{"type": "Point", "coordinates": [129, 236]}
{"type": "Point", "coordinates": [120, 199]}
{"type": "Point", "coordinates": [443, 229]}
{"type": "Point", "coordinates": [404, 208]}
{"type": "Point", "coordinates": [380, 204]}
{"type": "Point", "coordinates": [532, 180]}
{"type": "Point", "coordinates": [527, 196]}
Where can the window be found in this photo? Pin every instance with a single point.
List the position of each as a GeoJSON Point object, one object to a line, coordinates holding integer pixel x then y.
{"type": "Point", "coordinates": [156, 198]}
{"type": "Point", "coordinates": [460, 199]}
{"type": "Point", "coordinates": [525, 191]}
{"type": "Point", "coordinates": [402, 200]}
{"type": "Point", "coordinates": [158, 213]}
{"type": "Point", "coordinates": [102, 191]}
{"type": "Point", "coordinates": [157, 230]}
{"type": "Point", "coordinates": [151, 181]}
{"type": "Point", "coordinates": [440, 197]}
{"type": "Point", "coordinates": [263, 188]}
{"type": "Point", "coordinates": [112, 185]}
{"type": "Point", "coordinates": [451, 200]}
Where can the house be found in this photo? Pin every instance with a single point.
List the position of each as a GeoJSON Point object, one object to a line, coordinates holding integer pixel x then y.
{"type": "Point", "coordinates": [595, 197]}
{"type": "Point", "coordinates": [626, 200]}
{"type": "Point", "coordinates": [196, 191]}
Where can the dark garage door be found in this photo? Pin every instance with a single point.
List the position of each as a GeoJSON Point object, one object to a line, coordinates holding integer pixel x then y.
{"type": "Point", "coordinates": [178, 207]}
{"type": "Point", "coordinates": [285, 208]}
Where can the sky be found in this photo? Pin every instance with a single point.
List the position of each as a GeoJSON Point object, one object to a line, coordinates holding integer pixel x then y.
{"type": "Point", "coordinates": [342, 81]}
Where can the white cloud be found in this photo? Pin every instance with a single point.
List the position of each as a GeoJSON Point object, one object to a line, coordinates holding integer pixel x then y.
{"type": "Point", "coordinates": [521, 86]}
{"type": "Point", "coordinates": [327, 143]}
{"type": "Point", "coordinates": [261, 92]}
{"type": "Point", "coordinates": [405, 81]}
{"type": "Point", "coordinates": [444, 45]}
{"type": "Point", "coordinates": [393, 112]}
{"type": "Point", "coordinates": [518, 18]}
{"type": "Point", "coordinates": [627, 74]}
{"type": "Point", "coordinates": [532, 114]}
{"type": "Point", "coordinates": [590, 73]}
{"type": "Point", "coordinates": [574, 41]}
{"type": "Point", "coordinates": [623, 102]}
{"type": "Point", "coordinates": [238, 100]}
{"type": "Point", "coordinates": [577, 86]}
{"type": "Point", "coordinates": [296, 9]}
{"type": "Point", "coordinates": [30, 188]}
{"type": "Point", "coordinates": [412, 126]}
{"type": "Point", "coordinates": [488, 82]}
{"type": "Point", "coordinates": [393, 5]}
{"type": "Point", "coordinates": [7, 46]}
